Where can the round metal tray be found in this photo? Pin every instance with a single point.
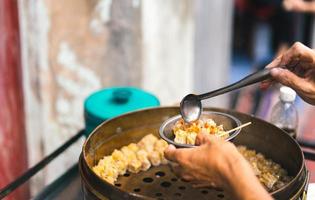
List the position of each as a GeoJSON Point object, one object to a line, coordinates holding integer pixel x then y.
{"type": "Point", "coordinates": [160, 182]}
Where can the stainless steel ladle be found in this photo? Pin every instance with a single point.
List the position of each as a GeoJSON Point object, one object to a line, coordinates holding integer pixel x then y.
{"type": "Point", "coordinates": [191, 107]}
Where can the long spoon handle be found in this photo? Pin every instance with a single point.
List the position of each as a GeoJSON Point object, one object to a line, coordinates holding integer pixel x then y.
{"type": "Point", "coordinates": [248, 80]}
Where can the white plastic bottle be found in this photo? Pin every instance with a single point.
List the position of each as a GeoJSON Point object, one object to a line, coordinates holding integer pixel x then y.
{"type": "Point", "coordinates": [284, 113]}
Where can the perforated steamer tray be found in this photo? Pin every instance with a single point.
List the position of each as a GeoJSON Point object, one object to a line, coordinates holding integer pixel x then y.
{"type": "Point", "coordinates": [160, 182]}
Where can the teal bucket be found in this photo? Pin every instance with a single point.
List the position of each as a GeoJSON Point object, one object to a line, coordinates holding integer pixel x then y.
{"type": "Point", "coordinates": [111, 102]}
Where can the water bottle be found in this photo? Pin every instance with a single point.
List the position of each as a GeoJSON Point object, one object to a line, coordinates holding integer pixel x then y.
{"type": "Point", "coordinates": [284, 114]}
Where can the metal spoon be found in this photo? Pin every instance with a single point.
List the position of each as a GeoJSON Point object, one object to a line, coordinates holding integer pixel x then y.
{"type": "Point", "coordinates": [191, 107]}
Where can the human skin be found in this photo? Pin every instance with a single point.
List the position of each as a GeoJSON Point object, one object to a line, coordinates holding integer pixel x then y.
{"type": "Point", "coordinates": [299, 6]}
{"type": "Point", "coordinates": [298, 71]}
{"type": "Point", "coordinates": [218, 163]}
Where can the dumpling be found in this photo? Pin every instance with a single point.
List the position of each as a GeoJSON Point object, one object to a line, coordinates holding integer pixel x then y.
{"type": "Point", "coordinates": [134, 165]}
{"type": "Point", "coordinates": [147, 143]}
{"type": "Point", "coordinates": [268, 180]}
{"type": "Point", "coordinates": [120, 161]}
{"type": "Point", "coordinates": [155, 158]}
{"type": "Point", "coordinates": [133, 147]}
{"type": "Point", "coordinates": [142, 156]}
{"type": "Point", "coordinates": [133, 157]}
{"type": "Point", "coordinates": [160, 147]}
{"type": "Point", "coordinates": [180, 136]}
{"type": "Point", "coordinates": [191, 138]}
{"type": "Point", "coordinates": [129, 154]}
{"type": "Point", "coordinates": [107, 169]}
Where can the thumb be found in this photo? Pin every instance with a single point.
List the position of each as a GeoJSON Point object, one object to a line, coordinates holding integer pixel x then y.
{"type": "Point", "coordinates": [170, 153]}
{"type": "Point", "coordinates": [288, 78]}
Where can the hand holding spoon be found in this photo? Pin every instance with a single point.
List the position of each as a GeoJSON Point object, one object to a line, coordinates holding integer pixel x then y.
{"type": "Point", "coordinates": [191, 107]}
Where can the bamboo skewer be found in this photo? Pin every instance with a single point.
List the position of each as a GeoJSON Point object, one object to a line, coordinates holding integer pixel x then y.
{"type": "Point", "coordinates": [239, 127]}
{"type": "Point", "coordinates": [236, 128]}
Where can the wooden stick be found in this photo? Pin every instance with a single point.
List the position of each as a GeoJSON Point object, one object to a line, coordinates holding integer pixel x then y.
{"type": "Point", "coordinates": [239, 127]}
{"type": "Point", "coordinates": [236, 128]}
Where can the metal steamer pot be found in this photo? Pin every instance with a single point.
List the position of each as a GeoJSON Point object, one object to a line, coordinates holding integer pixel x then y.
{"type": "Point", "coordinates": [160, 182]}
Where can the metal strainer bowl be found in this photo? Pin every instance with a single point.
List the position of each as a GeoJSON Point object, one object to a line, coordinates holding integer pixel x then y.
{"type": "Point", "coordinates": [228, 121]}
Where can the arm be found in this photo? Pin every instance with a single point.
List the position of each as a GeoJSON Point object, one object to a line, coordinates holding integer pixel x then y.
{"type": "Point", "coordinates": [241, 180]}
{"type": "Point", "coordinates": [218, 163]}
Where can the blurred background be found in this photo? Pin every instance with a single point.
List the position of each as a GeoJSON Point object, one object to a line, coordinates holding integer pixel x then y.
{"type": "Point", "coordinates": [54, 54]}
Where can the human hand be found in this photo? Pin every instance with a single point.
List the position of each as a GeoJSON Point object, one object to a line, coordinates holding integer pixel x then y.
{"type": "Point", "coordinates": [205, 164]}
{"type": "Point", "coordinates": [299, 73]}
{"type": "Point", "coordinates": [294, 5]}
{"type": "Point", "coordinates": [217, 163]}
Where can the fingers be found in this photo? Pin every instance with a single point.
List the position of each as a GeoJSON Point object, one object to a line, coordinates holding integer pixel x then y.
{"type": "Point", "coordinates": [298, 53]}
{"type": "Point", "coordinates": [298, 58]}
{"type": "Point", "coordinates": [294, 5]}
{"type": "Point", "coordinates": [177, 155]}
{"type": "Point", "coordinates": [287, 5]}
{"type": "Point", "coordinates": [288, 78]}
{"type": "Point", "coordinates": [202, 139]}
{"type": "Point", "coordinates": [182, 173]}
{"type": "Point", "coordinates": [204, 185]}
{"type": "Point", "coordinates": [303, 87]}
{"type": "Point", "coordinates": [275, 63]}
{"type": "Point", "coordinates": [201, 185]}
{"type": "Point", "coordinates": [171, 153]}
{"type": "Point", "coordinates": [205, 138]}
